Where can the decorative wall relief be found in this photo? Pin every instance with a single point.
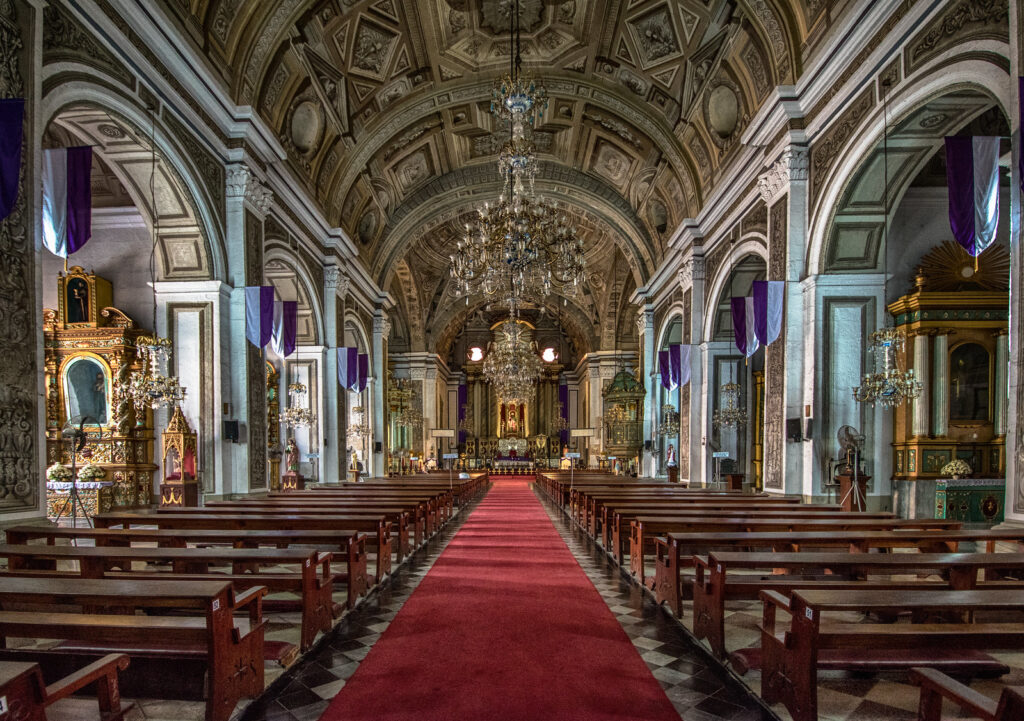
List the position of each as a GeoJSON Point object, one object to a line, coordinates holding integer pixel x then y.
{"type": "Point", "coordinates": [775, 355]}
{"type": "Point", "coordinates": [19, 433]}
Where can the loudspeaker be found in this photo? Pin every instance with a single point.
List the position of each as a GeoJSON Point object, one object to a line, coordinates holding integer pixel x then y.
{"type": "Point", "coordinates": [648, 445]}
{"type": "Point", "coordinates": [793, 430]}
{"type": "Point", "coordinates": [231, 431]}
{"type": "Point", "coordinates": [376, 447]}
{"type": "Point", "coordinates": [808, 425]}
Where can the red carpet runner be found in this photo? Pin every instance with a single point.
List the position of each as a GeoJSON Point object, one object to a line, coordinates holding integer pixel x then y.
{"type": "Point", "coordinates": [504, 626]}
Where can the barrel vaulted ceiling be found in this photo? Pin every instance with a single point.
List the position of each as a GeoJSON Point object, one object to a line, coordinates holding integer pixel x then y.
{"type": "Point", "coordinates": [383, 108]}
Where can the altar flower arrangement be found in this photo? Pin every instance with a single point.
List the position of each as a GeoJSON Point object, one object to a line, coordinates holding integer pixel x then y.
{"type": "Point", "coordinates": [58, 472]}
{"type": "Point", "coordinates": [956, 468]}
{"type": "Point", "coordinates": [91, 472]}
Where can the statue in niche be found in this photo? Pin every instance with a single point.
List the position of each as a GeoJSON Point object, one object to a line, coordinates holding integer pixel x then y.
{"type": "Point", "coordinates": [291, 457]}
{"type": "Point", "coordinates": [670, 455]}
{"type": "Point", "coordinates": [86, 390]}
{"type": "Point", "coordinates": [77, 301]}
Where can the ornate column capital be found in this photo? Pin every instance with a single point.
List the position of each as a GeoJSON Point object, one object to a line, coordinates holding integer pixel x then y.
{"type": "Point", "coordinates": [336, 279]}
{"type": "Point", "coordinates": [691, 269]}
{"type": "Point", "coordinates": [382, 325]}
{"type": "Point", "coordinates": [242, 183]}
{"type": "Point", "coordinates": [791, 167]}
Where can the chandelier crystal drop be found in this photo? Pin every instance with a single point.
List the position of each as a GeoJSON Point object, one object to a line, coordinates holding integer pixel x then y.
{"type": "Point", "coordinates": [731, 414]}
{"type": "Point", "coordinates": [149, 387]}
{"type": "Point", "coordinates": [297, 415]}
{"type": "Point", "coordinates": [513, 367]}
{"type": "Point", "coordinates": [359, 428]}
{"type": "Point", "coordinates": [887, 385]}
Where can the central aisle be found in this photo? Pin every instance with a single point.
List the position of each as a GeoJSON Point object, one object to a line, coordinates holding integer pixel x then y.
{"type": "Point", "coordinates": [504, 626]}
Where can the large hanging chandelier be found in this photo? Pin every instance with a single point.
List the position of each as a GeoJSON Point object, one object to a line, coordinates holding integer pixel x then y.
{"type": "Point", "coordinates": [297, 415]}
{"type": "Point", "coordinates": [513, 367]}
{"type": "Point", "coordinates": [359, 428]}
{"type": "Point", "coordinates": [517, 98]}
{"type": "Point", "coordinates": [669, 425]}
{"type": "Point", "coordinates": [148, 387]}
{"type": "Point", "coordinates": [731, 414]}
{"type": "Point", "coordinates": [887, 385]}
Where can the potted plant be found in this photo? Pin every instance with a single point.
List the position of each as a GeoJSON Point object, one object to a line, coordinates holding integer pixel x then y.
{"type": "Point", "coordinates": [58, 473]}
{"type": "Point", "coordinates": [956, 468]}
{"type": "Point", "coordinates": [91, 472]}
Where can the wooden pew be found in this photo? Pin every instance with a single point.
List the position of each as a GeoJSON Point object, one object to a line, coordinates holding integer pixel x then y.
{"type": "Point", "coordinates": [380, 526]}
{"type": "Point", "coordinates": [791, 658]}
{"type": "Point", "coordinates": [228, 650]}
{"type": "Point", "coordinates": [313, 582]}
{"type": "Point", "coordinates": [347, 545]}
{"type": "Point", "coordinates": [26, 696]}
{"type": "Point", "coordinates": [936, 686]}
{"type": "Point", "coordinates": [713, 585]}
{"type": "Point", "coordinates": [670, 558]}
{"type": "Point", "coordinates": [643, 528]}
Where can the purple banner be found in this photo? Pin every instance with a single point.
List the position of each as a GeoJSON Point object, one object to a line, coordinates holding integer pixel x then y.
{"type": "Point", "coordinates": [768, 301]}
{"type": "Point", "coordinates": [348, 367]}
{"type": "Point", "coordinates": [1020, 120]}
{"type": "Point", "coordinates": [362, 372]}
{"type": "Point", "coordinates": [664, 369]}
{"type": "Point", "coordinates": [675, 363]}
{"type": "Point", "coordinates": [79, 197]}
{"type": "Point", "coordinates": [463, 398]}
{"type": "Point", "coordinates": [12, 111]}
{"type": "Point", "coordinates": [283, 339]}
{"type": "Point", "coordinates": [684, 364]}
{"type": "Point", "coordinates": [259, 314]}
{"type": "Point", "coordinates": [563, 398]}
{"type": "Point", "coordinates": [739, 323]}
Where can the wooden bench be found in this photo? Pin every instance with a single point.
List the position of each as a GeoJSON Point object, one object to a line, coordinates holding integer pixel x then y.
{"type": "Point", "coordinates": [670, 558]}
{"type": "Point", "coordinates": [791, 658]}
{"type": "Point", "coordinates": [713, 585]}
{"type": "Point", "coordinates": [378, 525]}
{"type": "Point", "coordinates": [347, 545]}
{"type": "Point", "coordinates": [314, 581]}
{"type": "Point", "coordinates": [936, 686]}
{"type": "Point", "coordinates": [644, 528]}
{"type": "Point", "coordinates": [228, 651]}
{"type": "Point", "coordinates": [24, 696]}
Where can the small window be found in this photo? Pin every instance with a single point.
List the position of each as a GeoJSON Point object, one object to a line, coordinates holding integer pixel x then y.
{"type": "Point", "coordinates": [968, 383]}
{"type": "Point", "coordinates": [476, 354]}
{"type": "Point", "coordinates": [549, 355]}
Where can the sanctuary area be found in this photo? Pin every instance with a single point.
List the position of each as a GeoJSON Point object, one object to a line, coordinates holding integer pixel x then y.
{"type": "Point", "coordinates": [528, 360]}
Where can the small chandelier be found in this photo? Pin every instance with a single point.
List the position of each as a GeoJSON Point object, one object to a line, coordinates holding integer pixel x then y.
{"type": "Point", "coordinates": [410, 417]}
{"type": "Point", "coordinates": [730, 415]}
{"type": "Point", "coordinates": [512, 367]}
{"type": "Point", "coordinates": [360, 427]}
{"type": "Point", "coordinates": [297, 415]}
{"type": "Point", "coordinates": [887, 385]}
{"type": "Point", "coordinates": [669, 425]}
{"type": "Point", "coordinates": [149, 387]}
{"type": "Point", "coordinates": [561, 423]}
{"type": "Point", "coordinates": [466, 424]}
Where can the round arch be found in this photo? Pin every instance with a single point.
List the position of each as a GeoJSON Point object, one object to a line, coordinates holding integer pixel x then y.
{"type": "Point", "coordinates": [183, 179]}
{"type": "Point", "coordinates": [752, 244]}
{"type": "Point", "coordinates": [970, 76]}
{"type": "Point", "coordinates": [292, 282]}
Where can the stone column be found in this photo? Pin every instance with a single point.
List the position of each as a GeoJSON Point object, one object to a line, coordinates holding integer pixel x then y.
{"type": "Point", "coordinates": [693, 416]}
{"type": "Point", "coordinates": [22, 443]}
{"type": "Point", "coordinates": [646, 330]}
{"type": "Point", "coordinates": [789, 376]}
{"type": "Point", "coordinates": [430, 412]}
{"type": "Point", "coordinates": [594, 409]}
{"type": "Point", "coordinates": [381, 330]}
{"type": "Point", "coordinates": [332, 458]}
{"type": "Point", "coordinates": [940, 385]}
{"type": "Point", "coordinates": [1001, 396]}
{"type": "Point", "coordinates": [922, 414]}
{"type": "Point", "coordinates": [248, 201]}
{"type": "Point", "coordinates": [1015, 406]}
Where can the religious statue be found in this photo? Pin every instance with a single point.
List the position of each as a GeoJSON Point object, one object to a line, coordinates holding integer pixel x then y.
{"type": "Point", "coordinates": [670, 455]}
{"type": "Point", "coordinates": [291, 457]}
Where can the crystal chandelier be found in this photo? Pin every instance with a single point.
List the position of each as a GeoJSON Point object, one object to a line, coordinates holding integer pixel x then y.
{"type": "Point", "coordinates": [297, 415]}
{"type": "Point", "coordinates": [887, 385]}
{"type": "Point", "coordinates": [513, 366]}
{"type": "Point", "coordinates": [403, 405]}
{"type": "Point", "coordinates": [149, 387]}
{"type": "Point", "coordinates": [410, 417]}
{"type": "Point", "coordinates": [561, 423]}
{"type": "Point", "coordinates": [517, 98]}
{"type": "Point", "coordinates": [466, 424]}
{"type": "Point", "coordinates": [519, 248]}
{"type": "Point", "coordinates": [669, 425]}
{"type": "Point", "coordinates": [731, 414]}
{"type": "Point", "coordinates": [359, 428]}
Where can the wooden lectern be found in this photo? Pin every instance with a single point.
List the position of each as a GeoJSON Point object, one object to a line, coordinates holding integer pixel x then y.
{"type": "Point", "coordinates": [851, 498]}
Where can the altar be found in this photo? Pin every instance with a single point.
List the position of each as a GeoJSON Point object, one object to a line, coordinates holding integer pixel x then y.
{"type": "Point", "coordinates": [96, 497]}
{"type": "Point", "coordinates": [970, 500]}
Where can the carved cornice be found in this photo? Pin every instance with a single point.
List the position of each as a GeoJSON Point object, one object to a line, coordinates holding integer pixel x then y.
{"type": "Point", "coordinates": [791, 167]}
